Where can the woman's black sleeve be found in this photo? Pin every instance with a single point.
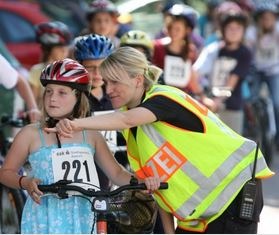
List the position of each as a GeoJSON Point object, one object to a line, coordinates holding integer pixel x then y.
{"type": "Point", "coordinates": [173, 113]}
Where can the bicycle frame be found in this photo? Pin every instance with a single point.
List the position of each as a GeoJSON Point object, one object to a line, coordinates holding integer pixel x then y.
{"type": "Point", "coordinates": [100, 204]}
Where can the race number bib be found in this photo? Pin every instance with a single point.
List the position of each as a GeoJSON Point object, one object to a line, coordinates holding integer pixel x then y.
{"type": "Point", "coordinates": [221, 71]}
{"type": "Point", "coordinates": [177, 72]}
{"type": "Point", "coordinates": [74, 163]}
{"type": "Point", "coordinates": [110, 136]}
{"type": "Point", "coordinates": [267, 52]}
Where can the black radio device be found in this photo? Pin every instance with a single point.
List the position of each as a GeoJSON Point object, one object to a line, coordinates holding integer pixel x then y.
{"type": "Point", "coordinates": [249, 194]}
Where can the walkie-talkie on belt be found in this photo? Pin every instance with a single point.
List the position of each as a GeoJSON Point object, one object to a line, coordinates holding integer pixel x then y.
{"type": "Point", "coordinates": [248, 199]}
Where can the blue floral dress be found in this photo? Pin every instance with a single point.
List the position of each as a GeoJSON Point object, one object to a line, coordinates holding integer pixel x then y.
{"type": "Point", "coordinates": [53, 215]}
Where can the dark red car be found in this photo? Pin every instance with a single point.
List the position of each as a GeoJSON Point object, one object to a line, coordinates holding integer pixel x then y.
{"type": "Point", "coordinates": [17, 20]}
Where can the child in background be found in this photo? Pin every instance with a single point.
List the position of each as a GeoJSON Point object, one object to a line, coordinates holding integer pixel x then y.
{"type": "Point", "coordinates": [226, 64]}
{"type": "Point", "coordinates": [55, 38]}
{"type": "Point", "coordinates": [176, 53]}
{"type": "Point", "coordinates": [90, 50]}
{"type": "Point", "coordinates": [102, 19]}
{"type": "Point", "coordinates": [263, 39]}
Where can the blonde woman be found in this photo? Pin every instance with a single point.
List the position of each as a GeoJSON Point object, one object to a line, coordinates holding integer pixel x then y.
{"type": "Point", "coordinates": [171, 136]}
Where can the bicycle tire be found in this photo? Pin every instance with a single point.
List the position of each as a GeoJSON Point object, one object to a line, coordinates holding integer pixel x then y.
{"type": "Point", "coordinates": [268, 145]}
{"type": "Point", "coordinates": [257, 127]}
{"type": "Point", "coordinates": [266, 139]}
{"type": "Point", "coordinates": [11, 206]}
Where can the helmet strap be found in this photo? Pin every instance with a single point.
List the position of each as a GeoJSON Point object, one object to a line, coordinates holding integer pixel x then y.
{"type": "Point", "coordinates": [51, 122]}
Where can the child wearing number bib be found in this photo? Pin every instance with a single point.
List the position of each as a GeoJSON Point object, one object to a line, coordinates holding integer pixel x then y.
{"type": "Point", "coordinates": [54, 158]}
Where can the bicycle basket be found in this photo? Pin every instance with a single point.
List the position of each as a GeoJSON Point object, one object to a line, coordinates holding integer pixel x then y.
{"type": "Point", "coordinates": [141, 209]}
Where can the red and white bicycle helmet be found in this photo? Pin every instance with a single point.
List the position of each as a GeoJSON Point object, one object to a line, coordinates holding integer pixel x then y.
{"type": "Point", "coordinates": [66, 72]}
{"type": "Point", "coordinates": [53, 34]}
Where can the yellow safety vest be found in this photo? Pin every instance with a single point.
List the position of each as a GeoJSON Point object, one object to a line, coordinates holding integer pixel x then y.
{"type": "Point", "coordinates": [205, 171]}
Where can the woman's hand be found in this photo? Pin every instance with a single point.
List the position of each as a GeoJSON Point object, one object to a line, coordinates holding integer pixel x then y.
{"type": "Point", "coordinates": [152, 183]}
{"type": "Point", "coordinates": [64, 128]}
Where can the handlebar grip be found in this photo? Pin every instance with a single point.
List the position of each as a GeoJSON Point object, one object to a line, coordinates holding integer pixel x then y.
{"type": "Point", "coordinates": [8, 120]}
{"type": "Point", "coordinates": [48, 188]}
{"type": "Point", "coordinates": [164, 185]}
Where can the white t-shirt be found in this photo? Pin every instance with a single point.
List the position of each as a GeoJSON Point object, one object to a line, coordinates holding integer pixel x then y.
{"type": "Point", "coordinates": [265, 49]}
{"type": "Point", "coordinates": [8, 75]}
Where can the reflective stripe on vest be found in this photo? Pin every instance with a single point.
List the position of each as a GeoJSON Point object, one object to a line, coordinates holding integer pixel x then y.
{"type": "Point", "coordinates": [213, 181]}
{"type": "Point", "coordinates": [163, 156]}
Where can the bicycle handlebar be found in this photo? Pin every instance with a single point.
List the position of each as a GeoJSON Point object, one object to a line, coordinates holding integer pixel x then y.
{"type": "Point", "coordinates": [62, 186]}
{"type": "Point", "coordinates": [7, 120]}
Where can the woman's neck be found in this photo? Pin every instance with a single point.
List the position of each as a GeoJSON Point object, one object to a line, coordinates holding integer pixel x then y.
{"type": "Point", "coordinates": [137, 99]}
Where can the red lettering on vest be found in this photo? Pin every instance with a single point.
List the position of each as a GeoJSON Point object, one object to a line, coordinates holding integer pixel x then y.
{"type": "Point", "coordinates": [163, 164]}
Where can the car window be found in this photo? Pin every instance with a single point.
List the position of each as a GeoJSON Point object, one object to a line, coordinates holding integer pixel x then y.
{"type": "Point", "coordinates": [148, 18]}
{"type": "Point", "coordinates": [14, 28]}
{"type": "Point", "coordinates": [7, 54]}
{"type": "Point", "coordinates": [153, 8]}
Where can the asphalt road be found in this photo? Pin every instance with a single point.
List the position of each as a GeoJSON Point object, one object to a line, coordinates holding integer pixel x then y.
{"type": "Point", "coordinates": [269, 220]}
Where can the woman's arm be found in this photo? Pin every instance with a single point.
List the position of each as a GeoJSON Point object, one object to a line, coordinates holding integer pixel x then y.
{"type": "Point", "coordinates": [107, 162]}
{"type": "Point", "coordinates": [167, 221]}
{"type": "Point", "coordinates": [112, 121]}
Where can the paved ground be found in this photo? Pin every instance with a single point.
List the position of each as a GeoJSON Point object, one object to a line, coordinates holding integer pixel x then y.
{"type": "Point", "coordinates": [270, 215]}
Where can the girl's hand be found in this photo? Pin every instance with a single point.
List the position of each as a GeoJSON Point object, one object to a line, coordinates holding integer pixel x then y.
{"type": "Point", "coordinates": [31, 185]}
{"type": "Point", "coordinates": [64, 128]}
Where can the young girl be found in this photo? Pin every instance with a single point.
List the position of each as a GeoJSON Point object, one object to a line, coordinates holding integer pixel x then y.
{"type": "Point", "coordinates": [66, 83]}
{"type": "Point", "coordinates": [176, 53]}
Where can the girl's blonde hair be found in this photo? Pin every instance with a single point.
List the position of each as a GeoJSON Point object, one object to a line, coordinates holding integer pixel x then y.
{"type": "Point", "coordinates": [128, 61]}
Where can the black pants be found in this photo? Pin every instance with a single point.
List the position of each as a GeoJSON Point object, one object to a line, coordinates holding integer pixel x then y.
{"type": "Point", "coordinates": [230, 223]}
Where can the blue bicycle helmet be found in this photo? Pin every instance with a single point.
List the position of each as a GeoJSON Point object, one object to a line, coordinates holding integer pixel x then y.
{"type": "Point", "coordinates": [92, 47]}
